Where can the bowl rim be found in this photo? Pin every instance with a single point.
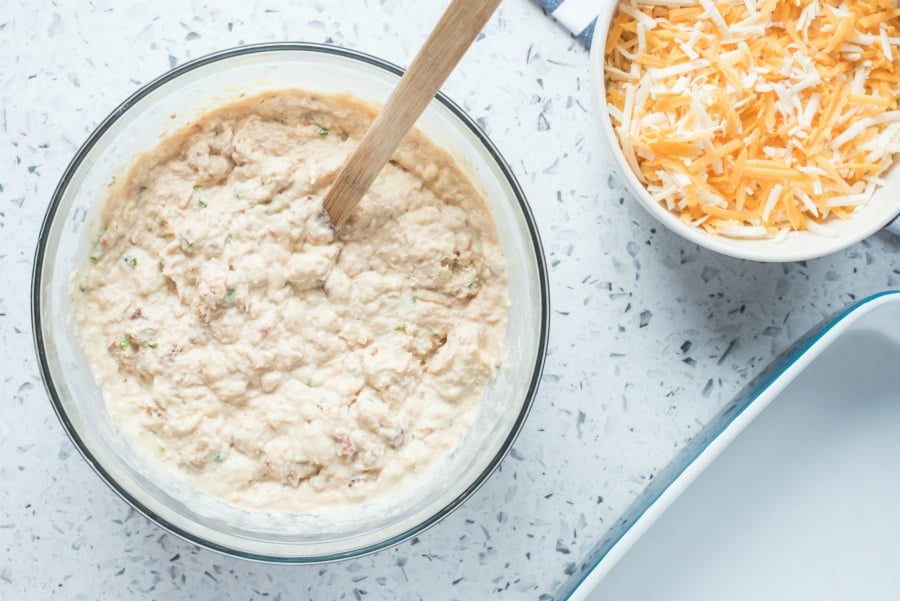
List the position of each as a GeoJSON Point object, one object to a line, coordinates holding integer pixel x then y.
{"type": "Point", "coordinates": [37, 281]}
{"type": "Point", "coordinates": [753, 250]}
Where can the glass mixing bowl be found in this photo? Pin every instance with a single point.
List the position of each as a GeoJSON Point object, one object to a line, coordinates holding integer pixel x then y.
{"type": "Point", "coordinates": [164, 106]}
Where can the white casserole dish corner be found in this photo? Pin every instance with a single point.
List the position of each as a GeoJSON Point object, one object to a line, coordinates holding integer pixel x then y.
{"type": "Point", "coordinates": [789, 493]}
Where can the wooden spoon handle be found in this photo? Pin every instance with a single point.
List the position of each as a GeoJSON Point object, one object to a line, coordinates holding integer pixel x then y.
{"type": "Point", "coordinates": [451, 37]}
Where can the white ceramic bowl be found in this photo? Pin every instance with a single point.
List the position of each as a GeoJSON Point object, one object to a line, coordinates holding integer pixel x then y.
{"type": "Point", "coordinates": [881, 210]}
{"type": "Point", "coordinates": [169, 103]}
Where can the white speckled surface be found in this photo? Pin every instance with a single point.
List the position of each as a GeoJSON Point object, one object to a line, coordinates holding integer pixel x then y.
{"type": "Point", "coordinates": [650, 335]}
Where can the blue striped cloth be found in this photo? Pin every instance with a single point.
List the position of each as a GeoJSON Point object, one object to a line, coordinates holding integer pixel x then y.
{"type": "Point", "coordinates": [579, 16]}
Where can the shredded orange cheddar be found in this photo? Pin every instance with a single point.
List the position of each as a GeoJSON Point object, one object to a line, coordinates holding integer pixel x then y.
{"type": "Point", "coordinates": [754, 118]}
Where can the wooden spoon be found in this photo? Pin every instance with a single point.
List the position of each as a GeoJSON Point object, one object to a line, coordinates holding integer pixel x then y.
{"type": "Point", "coordinates": [446, 44]}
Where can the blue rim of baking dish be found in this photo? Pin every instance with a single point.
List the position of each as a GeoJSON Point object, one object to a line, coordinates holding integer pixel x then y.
{"type": "Point", "coordinates": [37, 281]}
{"type": "Point", "coordinates": [743, 400]}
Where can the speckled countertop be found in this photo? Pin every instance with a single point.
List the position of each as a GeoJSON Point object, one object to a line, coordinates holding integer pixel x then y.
{"type": "Point", "coordinates": [650, 335]}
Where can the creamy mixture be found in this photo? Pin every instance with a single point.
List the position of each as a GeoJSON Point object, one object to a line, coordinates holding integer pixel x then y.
{"type": "Point", "coordinates": [269, 361]}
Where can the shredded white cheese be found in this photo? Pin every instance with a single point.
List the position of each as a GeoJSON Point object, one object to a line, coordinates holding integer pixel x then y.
{"type": "Point", "coordinates": [746, 117]}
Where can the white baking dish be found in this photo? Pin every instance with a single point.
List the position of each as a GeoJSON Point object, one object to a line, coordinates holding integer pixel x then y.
{"type": "Point", "coordinates": [792, 492]}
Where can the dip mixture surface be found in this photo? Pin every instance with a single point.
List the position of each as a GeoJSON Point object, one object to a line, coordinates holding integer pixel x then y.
{"type": "Point", "coordinates": [268, 361]}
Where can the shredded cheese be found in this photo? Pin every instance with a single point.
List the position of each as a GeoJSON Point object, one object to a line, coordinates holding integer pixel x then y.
{"type": "Point", "coordinates": [755, 118]}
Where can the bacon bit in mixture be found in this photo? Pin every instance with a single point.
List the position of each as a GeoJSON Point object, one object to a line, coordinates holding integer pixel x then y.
{"type": "Point", "coordinates": [345, 445]}
{"type": "Point", "coordinates": [357, 479]}
{"type": "Point", "coordinates": [754, 118]}
{"type": "Point", "coordinates": [398, 438]}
